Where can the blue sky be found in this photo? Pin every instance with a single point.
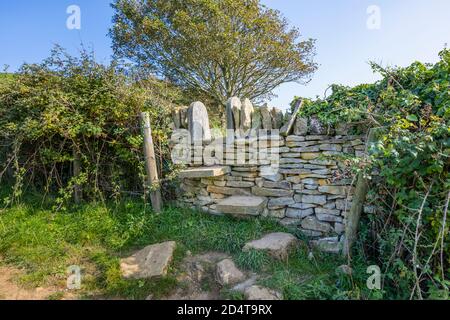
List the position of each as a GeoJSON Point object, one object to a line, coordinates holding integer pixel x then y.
{"type": "Point", "coordinates": [410, 30]}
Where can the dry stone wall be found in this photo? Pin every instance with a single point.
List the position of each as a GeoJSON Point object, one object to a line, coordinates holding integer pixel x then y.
{"type": "Point", "coordinates": [309, 188]}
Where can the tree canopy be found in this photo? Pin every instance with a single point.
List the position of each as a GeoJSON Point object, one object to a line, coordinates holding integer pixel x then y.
{"type": "Point", "coordinates": [217, 48]}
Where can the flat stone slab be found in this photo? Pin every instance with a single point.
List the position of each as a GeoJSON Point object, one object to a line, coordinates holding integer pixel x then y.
{"type": "Point", "coordinates": [228, 274]}
{"type": "Point", "coordinates": [242, 205]}
{"type": "Point", "coordinates": [277, 244]}
{"type": "Point", "coordinates": [152, 261]}
{"type": "Point", "coordinates": [261, 293]}
{"type": "Point", "coordinates": [204, 172]}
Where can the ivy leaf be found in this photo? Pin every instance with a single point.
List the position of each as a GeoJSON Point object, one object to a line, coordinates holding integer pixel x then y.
{"type": "Point", "coordinates": [412, 118]}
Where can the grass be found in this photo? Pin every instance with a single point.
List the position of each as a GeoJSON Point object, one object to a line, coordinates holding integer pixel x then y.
{"type": "Point", "coordinates": [95, 236]}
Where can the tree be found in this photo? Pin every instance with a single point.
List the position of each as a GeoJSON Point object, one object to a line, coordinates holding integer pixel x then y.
{"type": "Point", "coordinates": [218, 48]}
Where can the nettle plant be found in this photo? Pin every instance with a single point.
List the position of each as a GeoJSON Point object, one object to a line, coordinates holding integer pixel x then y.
{"type": "Point", "coordinates": [409, 165]}
{"type": "Point", "coordinates": [68, 108]}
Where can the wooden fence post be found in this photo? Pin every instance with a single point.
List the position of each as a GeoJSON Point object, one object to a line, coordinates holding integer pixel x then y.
{"type": "Point", "coordinates": [77, 191]}
{"type": "Point", "coordinates": [150, 164]}
{"type": "Point", "coordinates": [354, 215]}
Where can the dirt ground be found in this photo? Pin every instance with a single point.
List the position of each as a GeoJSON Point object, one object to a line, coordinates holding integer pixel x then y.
{"type": "Point", "coordinates": [10, 290]}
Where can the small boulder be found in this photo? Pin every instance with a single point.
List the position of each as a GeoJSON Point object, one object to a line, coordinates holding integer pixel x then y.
{"type": "Point", "coordinates": [345, 269]}
{"type": "Point", "coordinates": [261, 293]}
{"type": "Point", "coordinates": [152, 261]}
{"type": "Point", "coordinates": [277, 244]}
{"type": "Point", "coordinates": [228, 274]}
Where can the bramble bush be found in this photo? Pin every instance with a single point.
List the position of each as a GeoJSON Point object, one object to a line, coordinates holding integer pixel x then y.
{"type": "Point", "coordinates": [408, 166]}
{"type": "Point", "coordinates": [67, 106]}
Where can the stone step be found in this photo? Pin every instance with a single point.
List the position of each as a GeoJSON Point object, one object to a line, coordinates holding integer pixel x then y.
{"type": "Point", "coordinates": [242, 205]}
{"type": "Point", "coordinates": [204, 172]}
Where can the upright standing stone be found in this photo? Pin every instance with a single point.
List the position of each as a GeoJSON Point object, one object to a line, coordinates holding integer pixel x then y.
{"type": "Point", "coordinates": [266, 117]}
{"type": "Point", "coordinates": [179, 116]}
{"type": "Point", "coordinates": [316, 127]}
{"type": "Point", "coordinates": [233, 104]}
{"type": "Point", "coordinates": [287, 128]}
{"type": "Point", "coordinates": [277, 118]}
{"type": "Point", "coordinates": [246, 115]}
{"type": "Point", "coordinates": [199, 123]}
{"type": "Point", "coordinates": [301, 126]}
{"type": "Point", "coordinates": [256, 120]}
{"type": "Point", "coordinates": [176, 116]}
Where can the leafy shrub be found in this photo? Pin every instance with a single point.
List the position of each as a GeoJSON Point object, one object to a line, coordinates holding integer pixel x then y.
{"type": "Point", "coordinates": [409, 164]}
{"type": "Point", "coordinates": [69, 107]}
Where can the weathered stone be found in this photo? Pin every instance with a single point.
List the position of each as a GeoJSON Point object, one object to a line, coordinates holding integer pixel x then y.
{"type": "Point", "coordinates": [339, 228]}
{"type": "Point", "coordinates": [301, 126]}
{"type": "Point", "coordinates": [261, 293]}
{"type": "Point", "coordinates": [333, 212]}
{"type": "Point", "coordinates": [217, 196]}
{"type": "Point", "coordinates": [280, 202]}
{"type": "Point", "coordinates": [277, 244]}
{"type": "Point", "coordinates": [287, 128]}
{"type": "Point", "coordinates": [298, 213]}
{"type": "Point", "coordinates": [241, 287]}
{"type": "Point", "coordinates": [256, 120]}
{"type": "Point", "coordinates": [322, 171]}
{"type": "Point", "coordinates": [316, 127]}
{"type": "Point", "coordinates": [328, 217]}
{"type": "Point", "coordinates": [309, 192]}
{"type": "Point", "coordinates": [272, 177]}
{"type": "Point", "coordinates": [316, 137]}
{"type": "Point", "coordinates": [312, 176]}
{"type": "Point", "coordinates": [344, 269]}
{"type": "Point", "coordinates": [295, 138]}
{"type": "Point", "coordinates": [240, 184]}
{"type": "Point", "coordinates": [228, 274]}
{"type": "Point", "coordinates": [242, 205]}
{"type": "Point", "coordinates": [310, 233]}
{"type": "Point", "coordinates": [336, 190]}
{"type": "Point", "coordinates": [220, 183]}
{"type": "Point", "coordinates": [231, 178]}
{"type": "Point", "coordinates": [331, 147]}
{"type": "Point", "coordinates": [330, 245]}
{"type": "Point", "coordinates": [277, 118]}
{"type": "Point", "coordinates": [291, 155]}
{"type": "Point", "coordinates": [152, 261]}
{"type": "Point", "coordinates": [321, 200]}
{"type": "Point", "coordinates": [289, 222]}
{"type": "Point", "coordinates": [323, 162]}
{"type": "Point", "coordinates": [302, 206]}
{"type": "Point", "coordinates": [277, 213]}
{"type": "Point", "coordinates": [204, 172]}
{"type": "Point", "coordinates": [204, 200]}
{"type": "Point", "coordinates": [229, 191]}
{"type": "Point", "coordinates": [176, 117]}
{"type": "Point", "coordinates": [294, 171]}
{"type": "Point", "coordinates": [266, 117]}
{"type": "Point", "coordinates": [311, 223]}
{"type": "Point", "coordinates": [246, 115]}
{"type": "Point", "coordinates": [199, 123]}
{"type": "Point", "coordinates": [292, 166]}
{"type": "Point", "coordinates": [277, 185]}
{"type": "Point", "coordinates": [244, 174]}
{"type": "Point", "coordinates": [297, 145]}
{"type": "Point", "coordinates": [246, 169]}
{"type": "Point", "coordinates": [266, 192]}
{"type": "Point", "coordinates": [292, 161]}
{"type": "Point", "coordinates": [310, 156]}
